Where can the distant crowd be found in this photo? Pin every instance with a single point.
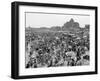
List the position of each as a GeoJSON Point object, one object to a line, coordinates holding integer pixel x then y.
{"type": "Point", "coordinates": [53, 49]}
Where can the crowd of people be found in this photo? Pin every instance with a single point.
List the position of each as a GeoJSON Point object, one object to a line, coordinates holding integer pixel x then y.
{"type": "Point", "coordinates": [53, 49]}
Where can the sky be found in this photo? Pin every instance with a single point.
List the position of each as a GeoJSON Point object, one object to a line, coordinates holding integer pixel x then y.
{"type": "Point", "coordinates": [38, 20]}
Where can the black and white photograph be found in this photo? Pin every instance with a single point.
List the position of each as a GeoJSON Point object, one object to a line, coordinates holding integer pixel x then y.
{"type": "Point", "coordinates": [50, 40]}
{"type": "Point", "coordinates": [57, 40]}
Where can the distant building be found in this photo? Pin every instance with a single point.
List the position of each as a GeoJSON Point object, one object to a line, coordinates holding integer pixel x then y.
{"type": "Point", "coordinates": [71, 25]}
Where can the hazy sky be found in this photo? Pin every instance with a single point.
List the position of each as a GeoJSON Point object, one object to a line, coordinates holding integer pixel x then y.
{"type": "Point", "coordinates": [49, 20]}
